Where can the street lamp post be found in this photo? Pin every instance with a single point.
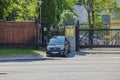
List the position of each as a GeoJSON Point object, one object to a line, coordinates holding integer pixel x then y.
{"type": "Point", "coordinates": [40, 35]}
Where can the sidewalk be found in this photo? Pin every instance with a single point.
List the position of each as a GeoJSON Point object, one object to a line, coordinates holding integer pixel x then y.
{"type": "Point", "coordinates": [70, 55]}
{"type": "Point", "coordinates": [22, 58]}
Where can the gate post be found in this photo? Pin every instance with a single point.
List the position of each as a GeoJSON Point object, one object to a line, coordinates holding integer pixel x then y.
{"type": "Point", "coordinates": [71, 36]}
{"type": "Point", "coordinates": [77, 35]}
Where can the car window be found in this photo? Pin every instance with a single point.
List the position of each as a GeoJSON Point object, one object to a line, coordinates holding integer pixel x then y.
{"type": "Point", "coordinates": [56, 41]}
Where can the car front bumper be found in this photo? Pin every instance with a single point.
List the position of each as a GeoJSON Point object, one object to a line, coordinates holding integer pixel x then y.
{"type": "Point", "coordinates": [54, 52]}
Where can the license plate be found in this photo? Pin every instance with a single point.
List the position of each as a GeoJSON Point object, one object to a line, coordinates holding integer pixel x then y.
{"type": "Point", "coordinates": [54, 52]}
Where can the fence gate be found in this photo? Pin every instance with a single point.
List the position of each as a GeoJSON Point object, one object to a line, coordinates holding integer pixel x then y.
{"type": "Point", "coordinates": [99, 40]}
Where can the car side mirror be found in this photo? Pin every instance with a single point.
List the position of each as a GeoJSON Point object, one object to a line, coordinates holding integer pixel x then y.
{"type": "Point", "coordinates": [66, 43]}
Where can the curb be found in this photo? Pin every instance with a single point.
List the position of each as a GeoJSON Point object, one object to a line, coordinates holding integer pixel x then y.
{"type": "Point", "coordinates": [22, 58]}
{"type": "Point", "coordinates": [34, 58]}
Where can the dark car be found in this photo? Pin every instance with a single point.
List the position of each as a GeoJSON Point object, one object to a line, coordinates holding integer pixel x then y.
{"type": "Point", "coordinates": [58, 45]}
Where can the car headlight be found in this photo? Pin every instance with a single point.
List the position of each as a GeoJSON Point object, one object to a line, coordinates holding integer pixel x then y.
{"type": "Point", "coordinates": [48, 48]}
{"type": "Point", "coordinates": [62, 47]}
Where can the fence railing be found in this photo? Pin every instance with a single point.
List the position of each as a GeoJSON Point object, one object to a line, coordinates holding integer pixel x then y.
{"type": "Point", "coordinates": [101, 38]}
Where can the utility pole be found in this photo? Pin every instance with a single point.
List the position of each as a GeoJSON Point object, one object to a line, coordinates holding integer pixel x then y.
{"type": "Point", "coordinates": [40, 34]}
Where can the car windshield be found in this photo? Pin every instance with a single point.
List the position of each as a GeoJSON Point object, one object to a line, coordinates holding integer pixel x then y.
{"type": "Point", "coordinates": [56, 41]}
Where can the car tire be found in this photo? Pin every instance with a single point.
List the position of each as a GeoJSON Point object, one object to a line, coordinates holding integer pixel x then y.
{"type": "Point", "coordinates": [64, 54]}
{"type": "Point", "coordinates": [68, 51]}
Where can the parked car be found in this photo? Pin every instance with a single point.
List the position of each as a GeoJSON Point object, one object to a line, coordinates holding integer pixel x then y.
{"type": "Point", "coordinates": [83, 40]}
{"type": "Point", "coordinates": [97, 40]}
{"type": "Point", "coordinates": [58, 45]}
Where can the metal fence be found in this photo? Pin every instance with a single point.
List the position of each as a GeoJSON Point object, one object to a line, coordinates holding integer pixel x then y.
{"type": "Point", "coordinates": [100, 39]}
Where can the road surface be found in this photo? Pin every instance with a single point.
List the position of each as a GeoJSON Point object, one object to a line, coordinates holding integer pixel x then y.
{"type": "Point", "coordinates": [79, 67]}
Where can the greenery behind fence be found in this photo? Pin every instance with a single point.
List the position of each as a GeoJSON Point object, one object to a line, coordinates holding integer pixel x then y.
{"type": "Point", "coordinates": [55, 11]}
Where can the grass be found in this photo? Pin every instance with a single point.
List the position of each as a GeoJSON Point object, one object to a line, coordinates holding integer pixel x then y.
{"type": "Point", "coordinates": [13, 52]}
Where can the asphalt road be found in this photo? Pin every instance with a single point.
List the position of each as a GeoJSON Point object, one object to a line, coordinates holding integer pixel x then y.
{"type": "Point", "coordinates": [79, 67]}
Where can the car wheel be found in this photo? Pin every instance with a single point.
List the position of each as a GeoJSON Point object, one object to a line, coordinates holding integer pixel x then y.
{"type": "Point", "coordinates": [68, 51]}
{"type": "Point", "coordinates": [64, 54]}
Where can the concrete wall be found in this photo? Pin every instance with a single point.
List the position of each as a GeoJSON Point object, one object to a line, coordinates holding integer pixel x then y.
{"type": "Point", "coordinates": [81, 13]}
{"type": "Point", "coordinates": [71, 37]}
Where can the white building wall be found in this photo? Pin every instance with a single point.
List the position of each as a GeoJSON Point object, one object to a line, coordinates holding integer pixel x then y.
{"type": "Point", "coordinates": [81, 13]}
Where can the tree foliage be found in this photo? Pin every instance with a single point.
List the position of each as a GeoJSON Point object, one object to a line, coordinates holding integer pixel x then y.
{"type": "Point", "coordinates": [100, 7]}
{"type": "Point", "coordinates": [67, 18]}
{"type": "Point", "coordinates": [48, 11]}
{"type": "Point", "coordinates": [18, 9]}
{"type": "Point", "coordinates": [52, 10]}
{"type": "Point", "coordinates": [4, 8]}
{"type": "Point", "coordinates": [61, 6]}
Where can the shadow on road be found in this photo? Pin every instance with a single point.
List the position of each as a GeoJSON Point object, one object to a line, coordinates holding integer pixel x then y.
{"type": "Point", "coordinates": [77, 53]}
{"type": "Point", "coordinates": [82, 53]}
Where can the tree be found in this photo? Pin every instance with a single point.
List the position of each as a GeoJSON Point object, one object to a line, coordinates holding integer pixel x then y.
{"type": "Point", "coordinates": [18, 9]}
{"type": "Point", "coordinates": [48, 11]}
{"type": "Point", "coordinates": [61, 6]}
{"type": "Point", "coordinates": [100, 7]}
{"type": "Point", "coordinates": [116, 14]}
{"type": "Point", "coordinates": [67, 18]}
{"type": "Point", "coordinates": [24, 10]}
{"type": "Point", "coordinates": [4, 8]}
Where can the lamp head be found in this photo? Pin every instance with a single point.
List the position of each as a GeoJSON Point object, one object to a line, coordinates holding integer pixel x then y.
{"type": "Point", "coordinates": [40, 2]}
